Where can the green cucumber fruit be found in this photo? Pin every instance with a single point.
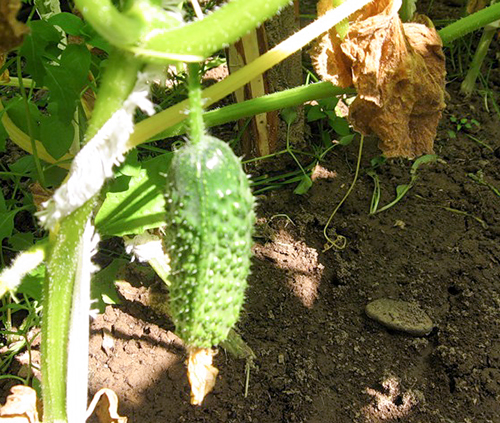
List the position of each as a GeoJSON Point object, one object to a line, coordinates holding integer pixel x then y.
{"type": "Point", "coordinates": [210, 218]}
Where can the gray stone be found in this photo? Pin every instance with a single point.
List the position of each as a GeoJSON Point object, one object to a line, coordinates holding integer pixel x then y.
{"type": "Point", "coordinates": [400, 315]}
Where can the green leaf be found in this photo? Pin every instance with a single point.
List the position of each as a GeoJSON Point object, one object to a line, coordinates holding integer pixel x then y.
{"type": "Point", "coordinates": [56, 135]}
{"type": "Point", "coordinates": [141, 206]}
{"type": "Point", "coordinates": [32, 283]}
{"type": "Point", "coordinates": [75, 59]}
{"type": "Point", "coordinates": [65, 82]}
{"type": "Point", "coordinates": [3, 137]}
{"type": "Point", "coordinates": [25, 165]}
{"type": "Point", "coordinates": [340, 126]}
{"type": "Point", "coordinates": [6, 224]}
{"type": "Point", "coordinates": [315, 113]}
{"type": "Point", "coordinates": [54, 176]}
{"type": "Point", "coordinates": [328, 103]}
{"type": "Point", "coordinates": [346, 140]}
{"type": "Point", "coordinates": [21, 241]}
{"type": "Point", "coordinates": [304, 185]}
{"type": "Point", "coordinates": [39, 44]}
{"type": "Point", "coordinates": [401, 190]}
{"type": "Point", "coordinates": [289, 115]}
{"type": "Point", "coordinates": [94, 39]}
{"type": "Point", "coordinates": [3, 206]}
{"type": "Point", "coordinates": [69, 23]}
{"type": "Point", "coordinates": [131, 165]}
{"type": "Point", "coordinates": [17, 113]}
{"type": "Point", "coordinates": [103, 288]}
{"type": "Point", "coordinates": [428, 158]}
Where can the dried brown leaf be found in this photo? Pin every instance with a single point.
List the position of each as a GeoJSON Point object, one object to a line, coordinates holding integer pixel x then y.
{"type": "Point", "coordinates": [11, 30]}
{"type": "Point", "coordinates": [399, 73]}
{"type": "Point", "coordinates": [21, 406]}
{"type": "Point", "coordinates": [105, 406]}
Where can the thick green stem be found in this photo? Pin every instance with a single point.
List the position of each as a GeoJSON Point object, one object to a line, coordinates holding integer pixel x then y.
{"type": "Point", "coordinates": [120, 76]}
{"type": "Point", "coordinates": [57, 300]}
{"type": "Point", "coordinates": [200, 39]}
{"type": "Point", "coordinates": [108, 21]}
{"type": "Point", "coordinates": [470, 23]}
{"type": "Point", "coordinates": [268, 103]}
{"type": "Point", "coordinates": [469, 82]}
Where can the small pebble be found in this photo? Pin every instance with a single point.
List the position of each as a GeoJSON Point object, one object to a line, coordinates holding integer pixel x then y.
{"type": "Point", "coordinates": [400, 315]}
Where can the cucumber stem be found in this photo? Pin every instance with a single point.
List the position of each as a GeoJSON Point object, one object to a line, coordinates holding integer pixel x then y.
{"type": "Point", "coordinates": [108, 21]}
{"type": "Point", "coordinates": [483, 46]}
{"type": "Point", "coordinates": [119, 77]}
{"type": "Point", "coordinates": [280, 100]}
{"type": "Point", "coordinates": [469, 23]}
{"type": "Point", "coordinates": [196, 125]}
{"type": "Point", "coordinates": [57, 300]}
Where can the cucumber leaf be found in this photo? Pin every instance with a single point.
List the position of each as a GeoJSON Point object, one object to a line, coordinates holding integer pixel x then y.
{"type": "Point", "coordinates": [138, 206]}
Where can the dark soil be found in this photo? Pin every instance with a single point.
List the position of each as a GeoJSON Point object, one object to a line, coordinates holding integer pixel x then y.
{"type": "Point", "coordinates": [319, 359]}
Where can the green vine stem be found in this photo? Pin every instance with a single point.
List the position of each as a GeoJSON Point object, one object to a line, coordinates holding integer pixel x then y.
{"type": "Point", "coordinates": [116, 27]}
{"type": "Point", "coordinates": [57, 301]}
{"type": "Point", "coordinates": [196, 125]}
{"type": "Point", "coordinates": [276, 101]}
{"type": "Point", "coordinates": [469, 82]}
{"type": "Point", "coordinates": [199, 39]}
{"type": "Point", "coordinates": [469, 23]}
{"type": "Point", "coordinates": [151, 32]}
{"type": "Point", "coordinates": [117, 82]}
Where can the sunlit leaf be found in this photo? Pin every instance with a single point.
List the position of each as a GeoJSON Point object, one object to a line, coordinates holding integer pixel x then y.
{"type": "Point", "coordinates": [141, 206]}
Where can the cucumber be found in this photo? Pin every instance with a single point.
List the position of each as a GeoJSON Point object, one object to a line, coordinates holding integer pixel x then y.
{"type": "Point", "coordinates": [210, 218]}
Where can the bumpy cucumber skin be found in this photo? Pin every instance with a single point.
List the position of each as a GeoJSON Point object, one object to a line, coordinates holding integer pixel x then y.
{"type": "Point", "coordinates": [210, 218]}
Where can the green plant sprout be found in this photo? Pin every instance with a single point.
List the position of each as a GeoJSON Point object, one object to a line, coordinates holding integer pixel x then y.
{"type": "Point", "coordinates": [401, 190]}
{"type": "Point", "coordinates": [465, 124]}
{"type": "Point", "coordinates": [139, 38]}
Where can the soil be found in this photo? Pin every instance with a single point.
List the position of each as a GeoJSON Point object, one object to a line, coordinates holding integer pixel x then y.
{"type": "Point", "coordinates": [319, 358]}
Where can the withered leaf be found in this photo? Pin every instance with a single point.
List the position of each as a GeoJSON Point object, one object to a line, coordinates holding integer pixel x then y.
{"type": "Point", "coordinates": [21, 406]}
{"type": "Point", "coordinates": [399, 73]}
{"type": "Point", "coordinates": [11, 30]}
{"type": "Point", "coordinates": [105, 406]}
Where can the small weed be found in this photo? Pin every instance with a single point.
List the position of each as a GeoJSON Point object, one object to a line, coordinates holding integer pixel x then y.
{"type": "Point", "coordinates": [401, 190]}
{"type": "Point", "coordinates": [462, 124]}
{"type": "Point", "coordinates": [478, 177]}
